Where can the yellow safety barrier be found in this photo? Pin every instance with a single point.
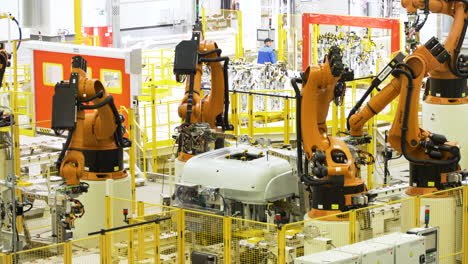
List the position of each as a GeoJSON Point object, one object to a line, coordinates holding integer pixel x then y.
{"type": "Point", "coordinates": [163, 234]}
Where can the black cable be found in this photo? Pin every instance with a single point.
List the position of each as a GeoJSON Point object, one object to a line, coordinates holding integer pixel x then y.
{"type": "Point", "coordinates": [294, 82]}
{"type": "Point", "coordinates": [19, 32]}
{"type": "Point", "coordinates": [455, 68]}
{"type": "Point", "coordinates": [97, 95]}
{"type": "Point", "coordinates": [202, 54]}
{"type": "Point", "coordinates": [65, 148]}
{"type": "Point", "coordinates": [359, 104]}
{"type": "Point", "coordinates": [404, 128]}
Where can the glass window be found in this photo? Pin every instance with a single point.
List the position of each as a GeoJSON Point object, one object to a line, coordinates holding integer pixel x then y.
{"type": "Point", "coordinates": [112, 80]}
{"type": "Point", "coordinates": [52, 73]}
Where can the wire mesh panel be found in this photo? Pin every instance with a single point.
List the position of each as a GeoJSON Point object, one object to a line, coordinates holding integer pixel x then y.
{"type": "Point", "coordinates": [53, 254]}
{"type": "Point", "coordinates": [204, 236]}
{"type": "Point", "coordinates": [253, 242]}
{"type": "Point", "coordinates": [384, 219]}
{"type": "Point", "coordinates": [446, 212]}
{"type": "Point", "coordinates": [165, 234]}
{"type": "Point", "coordinates": [87, 250]}
{"type": "Point", "coordinates": [318, 234]}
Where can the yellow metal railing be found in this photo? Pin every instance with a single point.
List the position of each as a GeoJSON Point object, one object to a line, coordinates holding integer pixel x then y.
{"type": "Point", "coordinates": [171, 235]}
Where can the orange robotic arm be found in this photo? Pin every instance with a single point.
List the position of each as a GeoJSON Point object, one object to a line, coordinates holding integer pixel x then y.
{"type": "Point", "coordinates": [210, 107]}
{"type": "Point", "coordinates": [424, 150]}
{"type": "Point", "coordinates": [94, 147]}
{"type": "Point", "coordinates": [447, 84]}
{"type": "Point", "coordinates": [334, 178]}
{"type": "Point", "coordinates": [4, 62]}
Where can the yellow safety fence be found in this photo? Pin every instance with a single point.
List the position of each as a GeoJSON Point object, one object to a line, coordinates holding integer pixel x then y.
{"type": "Point", "coordinates": [163, 234]}
{"type": "Point", "coordinates": [157, 73]}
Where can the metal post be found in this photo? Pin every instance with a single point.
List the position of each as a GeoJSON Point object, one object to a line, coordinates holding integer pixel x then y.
{"type": "Point", "coordinates": [287, 125]}
{"type": "Point", "coordinates": [78, 21]}
{"type": "Point", "coordinates": [67, 253]}
{"type": "Point", "coordinates": [417, 211]}
{"type": "Point", "coordinates": [153, 130]}
{"type": "Point", "coordinates": [281, 245]}
{"type": "Point", "coordinates": [156, 243]}
{"type": "Point", "coordinates": [203, 12]}
{"type": "Point", "coordinates": [371, 150]}
{"type": "Point", "coordinates": [131, 132]}
{"type": "Point", "coordinates": [240, 43]}
{"type": "Point", "coordinates": [131, 245]}
{"type": "Point", "coordinates": [141, 243]}
{"type": "Point", "coordinates": [181, 236]}
{"type": "Point", "coordinates": [108, 212]}
{"type": "Point", "coordinates": [234, 113]}
{"type": "Point", "coordinates": [103, 248]}
{"type": "Point", "coordinates": [141, 209]}
{"type": "Point", "coordinates": [316, 36]}
{"type": "Point", "coordinates": [14, 107]}
{"type": "Point", "coordinates": [227, 225]}
{"type": "Point", "coordinates": [465, 225]}
{"type": "Point", "coordinates": [250, 116]}
{"type": "Point", "coordinates": [352, 226]}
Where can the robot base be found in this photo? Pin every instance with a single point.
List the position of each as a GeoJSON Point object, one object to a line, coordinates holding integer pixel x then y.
{"type": "Point", "coordinates": [93, 201]}
{"type": "Point", "coordinates": [440, 119]}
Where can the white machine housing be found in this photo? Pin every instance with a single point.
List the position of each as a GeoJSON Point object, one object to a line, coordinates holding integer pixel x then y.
{"type": "Point", "coordinates": [370, 253]}
{"type": "Point", "coordinates": [439, 119]}
{"type": "Point", "coordinates": [329, 257]}
{"type": "Point", "coordinates": [408, 248]}
{"type": "Point", "coordinates": [257, 181]}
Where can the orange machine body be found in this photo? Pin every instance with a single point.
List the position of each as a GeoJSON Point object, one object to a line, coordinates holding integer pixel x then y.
{"type": "Point", "coordinates": [421, 62]}
{"type": "Point", "coordinates": [93, 132]}
{"type": "Point", "coordinates": [317, 94]}
{"type": "Point", "coordinates": [4, 62]}
{"type": "Point", "coordinates": [206, 109]}
{"type": "Point", "coordinates": [459, 13]}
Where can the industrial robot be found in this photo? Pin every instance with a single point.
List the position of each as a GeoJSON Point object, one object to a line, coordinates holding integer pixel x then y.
{"type": "Point", "coordinates": [334, 181]}
{"type": "Point", "coordinates": [201, 114]}
{"type": "Point", "coordinates": [92, 156]}
{"type": "Point", "coordinates": [433, 160]}
{"type": "Point", "coordinates": [446, 87]}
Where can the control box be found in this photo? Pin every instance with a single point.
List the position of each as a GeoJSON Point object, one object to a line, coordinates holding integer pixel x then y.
{"type": "Point", "coordinates": [408, 248]}
{"type": "Point", "coordinates": [431, 236]}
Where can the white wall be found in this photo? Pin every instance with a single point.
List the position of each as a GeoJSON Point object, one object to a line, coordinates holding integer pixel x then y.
{"type": "Point", "coordinates": [9, 6]}
{"type": "Point", "coordinates": [142, 13]}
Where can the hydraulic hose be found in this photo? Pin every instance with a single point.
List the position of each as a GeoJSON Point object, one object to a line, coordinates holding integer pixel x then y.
{"type": "Point", "coordinates": [303, 172]}
{"type": "Point", "coordinates": [20, 33]}
{"type": "Point", "coordinates": [404, 127]}
{"type": "Point", "coordinates": [294, 82]}
{"type": "Point", "coordinates": [454, 68]}
{"type": "Point", "coordinates": [202, 54]}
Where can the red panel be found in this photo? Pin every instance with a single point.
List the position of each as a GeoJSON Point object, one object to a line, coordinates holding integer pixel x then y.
{"type": "Point", "coordinates": [368, 22]}
{"type": "Point", "coordinates": [43, 93]}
